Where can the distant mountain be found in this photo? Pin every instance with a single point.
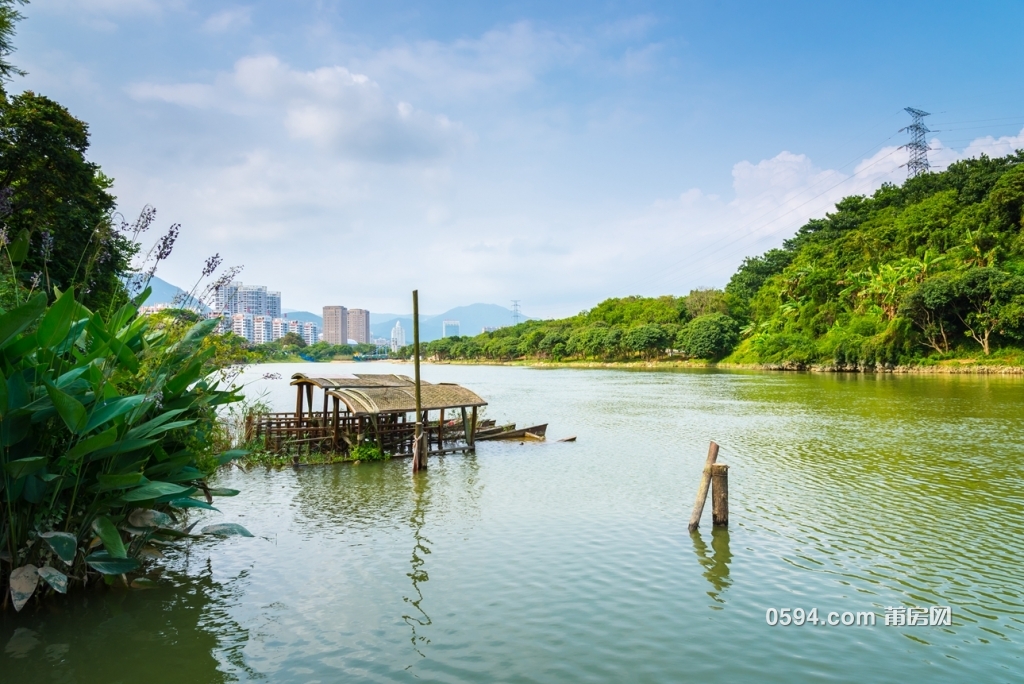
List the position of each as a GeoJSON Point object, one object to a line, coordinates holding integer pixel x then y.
{"type": "Point", "coordinates": [165, 293]}
{"type": "Point", "coordinates": [472, 320]}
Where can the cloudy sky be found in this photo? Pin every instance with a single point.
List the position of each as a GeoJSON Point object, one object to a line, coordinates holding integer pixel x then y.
{"type": "Point", "coordinates": [554, 153]}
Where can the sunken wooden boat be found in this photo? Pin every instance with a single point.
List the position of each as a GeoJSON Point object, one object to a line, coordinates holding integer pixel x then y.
{"type": "Point", "coordinates": [535, 431]}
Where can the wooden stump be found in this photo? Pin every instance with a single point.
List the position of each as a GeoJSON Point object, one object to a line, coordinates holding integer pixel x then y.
{"type": "Point", "coordinates": [719, 494]}
{"type": "Point", "coordinates": [702, 490]}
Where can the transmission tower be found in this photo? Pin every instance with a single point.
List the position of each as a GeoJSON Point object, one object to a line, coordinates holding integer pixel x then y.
{"type": "Point", "coordinates": [917, 146]}
{"type": "Point", "coordinates": [515, 312]}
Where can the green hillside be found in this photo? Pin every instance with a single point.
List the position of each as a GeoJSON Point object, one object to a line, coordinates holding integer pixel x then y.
{"type": "Point", "coordinates": [930, 270]}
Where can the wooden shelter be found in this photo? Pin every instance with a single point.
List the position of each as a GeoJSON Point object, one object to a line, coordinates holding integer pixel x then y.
{"type": "Point", "coordinates": [377, 408]}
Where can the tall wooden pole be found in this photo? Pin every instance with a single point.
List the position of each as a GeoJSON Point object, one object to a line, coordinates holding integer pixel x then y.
{"type": "Point", "coordinates": [702, 491]}
{"type": "Point", "coordinates": [419, 456]}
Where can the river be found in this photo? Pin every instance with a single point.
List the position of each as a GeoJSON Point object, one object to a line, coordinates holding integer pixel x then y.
{"type": "Point", "coordinates": [565, 562]}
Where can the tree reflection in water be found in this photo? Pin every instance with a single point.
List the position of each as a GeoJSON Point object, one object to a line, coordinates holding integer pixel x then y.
{"type": "Point", "coordinates": [418, 575]}
{"type": "Point", "coordinates": [716, 566]}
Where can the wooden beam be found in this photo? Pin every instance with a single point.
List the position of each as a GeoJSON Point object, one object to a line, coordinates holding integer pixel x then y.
{"type": "Point", "coordinates": [720, 494]}
{"type": "Point", "coordinates": [419, 460]}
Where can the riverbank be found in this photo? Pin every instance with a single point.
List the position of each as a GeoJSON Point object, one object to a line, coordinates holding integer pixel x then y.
{"type": "Point", "coordinates": [945, 367]}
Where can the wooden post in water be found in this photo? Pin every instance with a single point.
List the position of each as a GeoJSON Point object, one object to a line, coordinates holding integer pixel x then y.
{"type": "Point", "coordinates": [720, 494]}
{"type": "Point", "coordinates": [419, 453]}
{"type": "Point", "coordinates": [702, 491]}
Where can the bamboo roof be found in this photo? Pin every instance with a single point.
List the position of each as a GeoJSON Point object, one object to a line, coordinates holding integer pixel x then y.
{"type": "Point", "coordinates": [374, 400]}
{"type": "Point", "coordinates": [360, 380]}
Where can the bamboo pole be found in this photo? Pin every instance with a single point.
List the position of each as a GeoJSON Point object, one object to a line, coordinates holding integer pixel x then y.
{"type": "Point", "coordinates": [419, 456]}
{"type": "Point", "coordinates": [720, 494]}
{"type": "Point", "coordinates": [702, 491]}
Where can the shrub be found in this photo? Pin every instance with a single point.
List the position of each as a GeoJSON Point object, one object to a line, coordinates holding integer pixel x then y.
{"type": "Point", "coordinates": [711, 336]}
{"type": "Point", "coordinates": [103, 434]}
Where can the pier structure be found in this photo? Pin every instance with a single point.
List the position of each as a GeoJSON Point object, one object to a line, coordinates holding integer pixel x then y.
{"type": "Point", "coordinates": [334, 415]}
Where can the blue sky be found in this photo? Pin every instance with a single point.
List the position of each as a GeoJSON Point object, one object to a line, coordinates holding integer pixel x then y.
{"type": "Point", "coordinates": [555, 153]}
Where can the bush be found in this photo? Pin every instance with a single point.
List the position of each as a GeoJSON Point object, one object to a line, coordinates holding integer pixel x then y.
{"type": "Point", "coordinates": [105, 426]}
{"type": "Point", "coordinates": [711, 336]}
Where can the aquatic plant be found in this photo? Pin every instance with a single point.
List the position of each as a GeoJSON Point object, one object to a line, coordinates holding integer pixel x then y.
{"type": "Point", "coordinates": [105, 435]}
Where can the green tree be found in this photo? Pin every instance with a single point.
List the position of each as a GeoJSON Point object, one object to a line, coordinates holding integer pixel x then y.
{"type": "Point", "coordinates": [648, 340]}
{"type": "Point", "coordinates": [930, 308]}
{"type": "Point", "coordinates": [292, 339]}
{"type": "Point", "coordinates": [59, 200]}
{"type": "Point", "coordinates": [708, 337]}
{"type": "Point", "coordinates": [988, 300]}
{"type": "Point", "coordinates": [9, 16]}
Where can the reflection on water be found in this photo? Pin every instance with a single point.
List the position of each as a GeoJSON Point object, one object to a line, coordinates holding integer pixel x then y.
{"type": "Point", "coordinates": [716, 564]}
{"type": "Point", "coordinates": [418, 574]}
{"type": "Point", "coordinates": [569, 562]}
{"type": "Point", "coordinates": [102, 634]}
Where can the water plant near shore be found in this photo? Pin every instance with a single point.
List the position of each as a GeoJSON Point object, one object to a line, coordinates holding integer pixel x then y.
{"type": "Point", "coordinates": [106, 428]}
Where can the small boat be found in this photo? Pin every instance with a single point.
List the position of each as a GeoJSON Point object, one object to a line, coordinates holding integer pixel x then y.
{"type": "Point", "coordinates": [535, 432]}
{"type": "Point", "coordinates": [568, 439]}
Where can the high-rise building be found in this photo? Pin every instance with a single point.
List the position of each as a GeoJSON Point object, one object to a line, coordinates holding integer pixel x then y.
{"type": "Point", "coordinates": [278, 328]}
{"type": "Point", "coordinates": [449, 328]}
{"type": "Point", "coordinates": [335, 325]}
{"type": "Point", "coordinates": [310, 332]}
{"type": "Point", "coordinates": [226, 298]}
{"type": "Point", "coordinates": [241, 325]}
{"type": "Point", "coordinates": [273, 305]}
{"type": "Point", "coordinates": [262, 329]}
{"type": "Point", "coordinates": [255, 300]}
{"type": "Point", "coordinates": [295, 327]}
{"type": "Point", "coordinates": [359, 325]}
{"type": "Point", "coordinates": [252, 300]}
{"type": "Point", "coordinates": [397, 336]}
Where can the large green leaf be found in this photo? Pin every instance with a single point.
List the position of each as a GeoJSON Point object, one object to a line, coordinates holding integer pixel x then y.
{"type": "Point", "coordinates": [123, 447]}
{"type": "Point", "coordinates": [16, 320]}
{"type": "Point", "coordinates": [200, 330]}
{"type": "Point", "coordinates": [18, 249]}
{"type": "Point", "coordinates": [111, 481]}
{"type": "Point", "coordinates": [111, 409]}
{"type": "Point", "coordinates": [3, 395]}
{"type": "Point", "coordinates": [63, 544]}
{"type": "Point", "coordinates": [227, 530]}
{"type": "Point", "coordinates": [70, 409]}
{"type": "Point", "coordinates": [91, 444]}
{"type": "Point", "coordinates": [229, 456]}
{"type": "Point", "coordinates": [154, 490]}
{"type": "Point", "coordinates": [103, 562]}
{"type": "Point", "coordinates": [110, 537]}
{"type": "Point", "coordinates": [192, 503]}
{"type": "Point", "coordinates": [56, 324]}
{"type": "Point", "coordinates": [24, 581]}
{"type": "Point", "coordinates": [55, 578]}
{"type": "Point", "coordinates": [147, 517]}
{"type": "Point", "coordinates": [222, 492]}
{"type": "Point", "coordinates": [149, 426]}
{"type": "Point", "coordinates": [25, 466]}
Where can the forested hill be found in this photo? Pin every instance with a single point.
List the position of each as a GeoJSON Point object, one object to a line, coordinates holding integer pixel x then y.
{"type": "Point", "coordinates": [930, 270]}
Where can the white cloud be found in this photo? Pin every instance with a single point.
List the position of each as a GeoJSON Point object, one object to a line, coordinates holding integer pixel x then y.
{"type": "Point", "coordinates": [335, 109]}
{"type": "Point", "coordinates": [228, 20]}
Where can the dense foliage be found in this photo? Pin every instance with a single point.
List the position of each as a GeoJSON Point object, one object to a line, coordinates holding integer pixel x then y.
{"type": "Point", "coordinates": [914, 274]}
{"type": "Point", "coordinates": [107, 427]}
{"type": "Point", "coordinates": [57, 203]}
{"type": "Point", "coordinates": [929, 270]}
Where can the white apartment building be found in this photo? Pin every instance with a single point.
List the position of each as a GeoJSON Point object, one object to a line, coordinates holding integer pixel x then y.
{"type": "Point", "coordinates": [262, 329]}
{"type": "Point", "coordinates": [310, 332]}
{"type": "Point", "coordinates": [397, 336]}
{"type": "Point", "coordinates": [278, 328]}
{"type": "Point", "coordinates": [241, 325]}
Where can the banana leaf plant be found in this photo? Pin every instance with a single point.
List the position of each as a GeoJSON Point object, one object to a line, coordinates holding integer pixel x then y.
{"type": "Point", "coordinates": [105, 427]}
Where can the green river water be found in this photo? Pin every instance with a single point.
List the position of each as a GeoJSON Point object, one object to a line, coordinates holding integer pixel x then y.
{"type": "Point", "coordinates": [571, 562]}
